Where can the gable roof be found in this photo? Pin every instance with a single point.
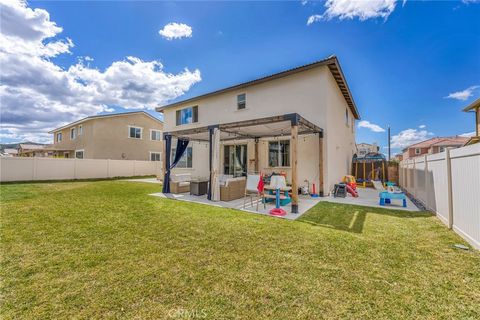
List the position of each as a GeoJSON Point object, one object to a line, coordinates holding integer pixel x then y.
{"type": "Point", "coordinates": [438, 141]}
{"type": "Point", "coordinates": [105, 116]}
{"type": "Point", "coordinates": [475, 104]}
{"type": "Point", "coordinates": [32, 146]}
{"type": "Point", "coordinates": [331, 62]}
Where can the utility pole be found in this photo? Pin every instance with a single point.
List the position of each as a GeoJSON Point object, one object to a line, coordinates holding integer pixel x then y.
{"type": "Point", "coordinates": [389, 151]}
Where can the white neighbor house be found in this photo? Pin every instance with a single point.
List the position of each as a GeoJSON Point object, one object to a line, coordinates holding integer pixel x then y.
{"type": "Point", "coordinates": [257, 119]}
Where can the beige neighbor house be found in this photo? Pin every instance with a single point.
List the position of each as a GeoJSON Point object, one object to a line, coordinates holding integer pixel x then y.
{"type": "Point", "coordinates": [122, 136]}
{"type": "Point", "coordinates": [365, 148]}
{"type": "Point", "coordinates": [300, 121]}
{"type": "Point", "coordinates": [433, 145]}
{"type": "Point", "coordinates": [34, 150]}
{"type": "Point", "coordinates": [474, 107]}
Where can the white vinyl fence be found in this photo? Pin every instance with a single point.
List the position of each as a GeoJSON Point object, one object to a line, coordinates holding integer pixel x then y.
{"type": "Point", "coordinates": [448, 184]}
{"type": "Point", "coordinates": [30, 169]}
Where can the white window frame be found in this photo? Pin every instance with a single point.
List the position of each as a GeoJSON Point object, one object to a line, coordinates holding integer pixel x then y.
{"type": "Point", "coordinates": [244, 101]}
{"type": "Point", "coordinates": [79, 150]}
{"type": "Point", "coordinates": [155, 130]}
{"type": "Point", "coordinates": [155, 152]}
{"type": "Point", "coordinates": [136, 127]}
{"type": "Point", "coordinates": [73, 133]}
{"type": "Point", "coordinates": [80, 130]}
{"type": "Point", "coordinates": [419, 150]}
{"type": "Point", "coordinates": [172, 155]}
{"type": "Point", "coordinates": [61, 136]}
{"type": "Point", "coordinates": [279, 154]}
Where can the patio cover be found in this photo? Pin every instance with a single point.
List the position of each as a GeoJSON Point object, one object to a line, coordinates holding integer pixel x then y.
{"type": "Point", "coordinates": [275, 126]}
{"type": "Point", "coordinates": [290, 125]}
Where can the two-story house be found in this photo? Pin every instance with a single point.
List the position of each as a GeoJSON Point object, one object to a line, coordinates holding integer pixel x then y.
{"type": "Point", "coordinates": [365, 148]}
{"type": "Point", "coordinates": [300, 122]}
{"type": "Point", "coordinates": [475, 108]}
{"type": "Point", "coordinates": [433, 145]}
{"type": "Point", "coordinates": [121, 136]}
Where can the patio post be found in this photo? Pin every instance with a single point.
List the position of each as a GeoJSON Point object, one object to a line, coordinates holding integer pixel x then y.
{"type": "Point", "coordinates": [320, 165]}
{"type": "Point", "coordinates": [210, 149]}
{"type": "Point", "coordinates": [294, 148]}
{"type": "Point", "coordinates": [214, 151]}
{"type": "Point", "coordinates": [257, 167]}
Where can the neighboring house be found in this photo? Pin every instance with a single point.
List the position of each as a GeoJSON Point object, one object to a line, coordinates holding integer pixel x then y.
{"type": "Point", "coordinates": [121, 136]}
{"type": "Point", "coordinates": [10, 152]}
{"type": "Point", "coordinates": [398, 157]}
{"type": "Point", "coordinates": [433, 145]}
{"type": "Point", "coordinates": [258, 120]}
{"type": "Point", "coordinates": [475, 107]}
{"type": "Point", "coordinates": [34, 150]}
{"type": "Point", "coordinates": [365, 148]}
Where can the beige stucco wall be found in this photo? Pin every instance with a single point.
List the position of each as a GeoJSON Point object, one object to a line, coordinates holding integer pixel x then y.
{"type": "Point", "coordinates": [108, 138]}
{"type": "Point", "coordinates": [313, 94]}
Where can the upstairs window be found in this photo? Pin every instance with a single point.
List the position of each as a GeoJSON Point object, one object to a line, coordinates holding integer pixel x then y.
{"type": "Point", "coordinates": [80, 130]}
{"type": "Point", "coordinates": [241, 101]}
{"type": "Point", "coordinates": [155, 156]}
{"type": "Point", "coordinates": [186, 161]}
{"type": "Point", "coordinates": [73, 133]}
{"type": "Point", "coordinates": [346, 117]}
{"type": "Point", "coordinates": [59, 136]}
{"type": "Point", "coordinates": [417, 151]}
{"type": "Point", "coordinates": [135, 132]}
{"type": "Point", "coordinates": [187, 115]}
{"type": "Point", "coordinates": [155, 135]}
{"type": "Point", "coordinates": [279, 153]}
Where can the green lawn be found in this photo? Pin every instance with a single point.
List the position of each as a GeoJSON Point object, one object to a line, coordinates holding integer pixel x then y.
{"type": "Point", "coordinates": [108, 250]}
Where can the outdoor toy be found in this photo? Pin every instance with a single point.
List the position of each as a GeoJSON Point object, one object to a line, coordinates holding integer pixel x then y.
{"type": "Point", "coordinates": [314, 193]}
{"type": "Point", "coordinates": [369, 168]}
{"type": "Point", "coordinates": [352, 191]}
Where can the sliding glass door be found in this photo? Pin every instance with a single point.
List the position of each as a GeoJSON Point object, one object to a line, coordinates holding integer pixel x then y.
{"type": "Point", "coordinates": [235, 160]}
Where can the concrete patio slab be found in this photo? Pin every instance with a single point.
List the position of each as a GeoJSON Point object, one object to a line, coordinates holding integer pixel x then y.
{"type": "Point", "coordinates": [369, 197]}
{"type": "Point", "coordinates": [305, 203]}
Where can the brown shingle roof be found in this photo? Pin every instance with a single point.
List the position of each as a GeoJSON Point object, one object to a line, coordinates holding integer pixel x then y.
{"type": "Point", "coordinates": [331, 62]}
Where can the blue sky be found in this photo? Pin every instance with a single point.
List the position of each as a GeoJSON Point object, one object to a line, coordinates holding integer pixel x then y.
{"type": "Point", "coordinates": [400, 62]}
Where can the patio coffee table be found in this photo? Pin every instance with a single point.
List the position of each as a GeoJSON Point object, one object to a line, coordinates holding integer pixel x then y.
{"type": "Point", "coordinates": [198, 187]}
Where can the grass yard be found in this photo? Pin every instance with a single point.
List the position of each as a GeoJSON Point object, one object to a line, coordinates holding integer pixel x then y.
{"type": "Point", "coordinates": [108, 250]}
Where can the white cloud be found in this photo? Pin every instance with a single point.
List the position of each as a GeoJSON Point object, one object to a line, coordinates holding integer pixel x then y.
{"type": "Point", "coordinates": [175, 30]}
{"type": "Point", "coordinates": [314, 18]}
{"type": "Point", "coordinates": [304, 2]}
{"type": "Point", "coordinates": [371, 126]}
{"type": "Point", "coordinates": [37, 95]}
{"type": "Point", "coordinates": [361, 9]}
{"type": "Point", "coordinates": [422, 126]}
{"type": "Point", "coordinates": [408, 137]}
{"type": "Point", "coordinates": [468, 134]}
{"type": "Point", "coordinates": [464, 94]}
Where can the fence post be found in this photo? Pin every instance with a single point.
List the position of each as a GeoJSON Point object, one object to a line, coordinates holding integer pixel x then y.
{"type": "Point", "coordinates": [426, 182]}
{"type": "Point", "coordinates": [449, 187]}
{"type": "Point", "coordinates": [414, 178]}
{"type": "Point", "coordinates": [74, 168]}
{"type": "Point", "coordinates": [34, 173]}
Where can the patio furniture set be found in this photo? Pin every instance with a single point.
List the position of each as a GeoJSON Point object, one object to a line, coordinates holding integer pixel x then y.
{"type": "Point", "coordinates": [233, 188]}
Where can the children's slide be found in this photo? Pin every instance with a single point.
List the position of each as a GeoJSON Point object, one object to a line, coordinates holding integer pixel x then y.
{"type": "Point", "coordinates": [353, 192]}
